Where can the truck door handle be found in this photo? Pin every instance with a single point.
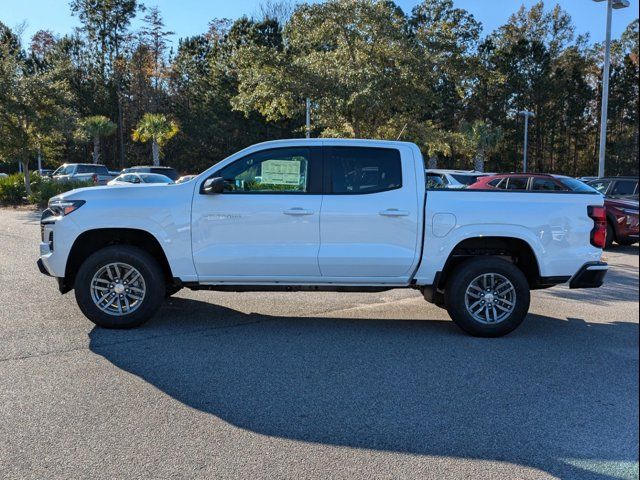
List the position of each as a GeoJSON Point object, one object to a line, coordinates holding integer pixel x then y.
{"type": "Point", "coordinates": [394, 212]}
{"type": "Point", "coordinates": [298, 211]}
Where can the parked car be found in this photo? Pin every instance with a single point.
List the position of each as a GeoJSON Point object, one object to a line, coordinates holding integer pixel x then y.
{"type": "Point", "coordinates": [439, 178]}
{"type": "Point", "coordinates": [622, 215]}
{"type": "Point", "coordinates": [622, 221]}
{"type": "Point", "coordinates": [82, 172]}
{"type": "Point", "coordinates": [140, 178]}
{"type": "Point", "coordinates": [185, 178]}
{"type": "Point", "coordinates": [616, 187]}
{"type": "Point", "coordinates": [535, 182]}
{"type": "Point", "coordinates": [167, 171]}
{"type": "Point", "coordinates": [3, 175]}
{"type": "Point", "coordinates": [321, 214]}
{"type": "Point", "coordinates": [46, 172]}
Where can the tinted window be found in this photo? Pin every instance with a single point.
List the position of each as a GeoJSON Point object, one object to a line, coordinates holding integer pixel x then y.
{"type": "Point", "coordinates": [269, 171]}
{"type": "Point", "coordinates": [547, 185]}
{"type": "Point", "coordinates": [363, 170]}
{"type": "Point", "coordinates": [168, 172]}
{"type": "Point", "coordinates": [498, 183]}
{"type": "Point", "coordinates": [155, 178]}
{"type": "Point", "coordinates": [99, 169]}
{"type": "Point", "coordinates": [517, 183]}
{"type": "Point", "coordinates": [624, 187]}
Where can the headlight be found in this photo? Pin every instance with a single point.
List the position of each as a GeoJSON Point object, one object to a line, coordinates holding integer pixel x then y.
{"type": "Point", "coordinates": [64, 207]}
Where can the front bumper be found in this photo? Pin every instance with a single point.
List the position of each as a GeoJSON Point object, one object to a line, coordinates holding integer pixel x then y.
{"type": "Point", "coordinates": [591, 275]}
{"type": "Point", "coordinates": [42, 268]}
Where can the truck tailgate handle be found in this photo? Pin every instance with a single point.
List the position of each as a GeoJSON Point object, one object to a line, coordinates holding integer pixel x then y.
{"type": "Point", "coordinates": [298, 211]}
{"type": "Point", "coordinates": [394, 212]}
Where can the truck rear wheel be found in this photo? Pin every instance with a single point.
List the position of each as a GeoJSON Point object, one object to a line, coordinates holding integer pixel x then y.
{"type": "Point", "coordinates": [487, 297]}
{"type": "Point", "coordinates": [119, 287]}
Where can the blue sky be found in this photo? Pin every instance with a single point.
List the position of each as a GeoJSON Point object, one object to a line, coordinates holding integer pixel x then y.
{"type": "Point", "coordinates": [190, 17]}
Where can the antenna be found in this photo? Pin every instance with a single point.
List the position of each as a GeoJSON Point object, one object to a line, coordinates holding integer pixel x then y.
{"type": "Point", "coordinates": [401, 132]}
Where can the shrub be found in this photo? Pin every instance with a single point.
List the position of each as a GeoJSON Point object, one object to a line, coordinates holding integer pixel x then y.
{"type": "Point", "coordinates": [42, 189]}
{"type": "Point", "coordinates": [12, 189]}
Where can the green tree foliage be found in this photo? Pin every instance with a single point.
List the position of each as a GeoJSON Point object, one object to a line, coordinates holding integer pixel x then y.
{"type": "Point", "coordinates": [353, 58]}
{"type": "Point", "coordinates": [157, 129]}
{"type": "Point", "coordinates": [106, 38]}
{"type": "Point", "coordinates": [94, 128]}
{"type": "Point", "coordinates": [481, 140]}
{"type": "Point", "coordinates": [34, 104]}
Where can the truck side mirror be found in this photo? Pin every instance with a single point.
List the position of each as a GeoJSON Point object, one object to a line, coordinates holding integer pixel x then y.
{"type": "Point", "coordinates": [212, 186]}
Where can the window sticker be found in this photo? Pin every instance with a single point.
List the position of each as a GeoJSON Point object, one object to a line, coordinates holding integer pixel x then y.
{"type": "Point", "coordinates": [281, 172]}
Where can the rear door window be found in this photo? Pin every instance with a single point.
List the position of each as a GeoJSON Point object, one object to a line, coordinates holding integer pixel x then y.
{"type": "Point", "coordinates": [547, 185]}
{"type": "Point", "coordinates": [517, 183]}
{"type": "Point", "coordinates": [362, 170]}
{"type": "Point", "coordinates": [624, 187]}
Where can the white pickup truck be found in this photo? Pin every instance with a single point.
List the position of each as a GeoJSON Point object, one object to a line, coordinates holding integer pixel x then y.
{"type": "Point", "coordinates": [321, 214]}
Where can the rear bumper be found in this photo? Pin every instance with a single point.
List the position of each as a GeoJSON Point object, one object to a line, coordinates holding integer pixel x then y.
{"type": "Point", "coordinates": [591, 275]}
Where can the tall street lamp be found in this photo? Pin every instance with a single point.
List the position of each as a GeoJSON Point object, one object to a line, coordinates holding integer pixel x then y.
{"type": "Point", "coordinates": [526, 114]}
{"type": "Point", "coordinates": [611, 4]}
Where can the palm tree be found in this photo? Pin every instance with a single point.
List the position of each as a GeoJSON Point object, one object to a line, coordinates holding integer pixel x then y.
{"type": "Point", "coordinates": [482, 139]}
{"type": "Point", "coordinates": [437, 141]}
{"type": "Point", "coordinates": [157, 128]}
{"type": "Point", "coordinates": [95, 127]}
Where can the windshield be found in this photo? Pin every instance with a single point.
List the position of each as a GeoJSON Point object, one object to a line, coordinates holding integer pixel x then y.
{"type": "Point", "coordinates": [64, 170]}
{"type": "Point", "coordinates": [577, 185]}
{"type": "Point", "coordinates": [466, 179]}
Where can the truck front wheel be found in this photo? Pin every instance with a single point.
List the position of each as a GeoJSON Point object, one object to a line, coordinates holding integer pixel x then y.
{"type": "Point", "coordinates": [119, 287]}
{"type": "Point", "coordinates": [487, 297]}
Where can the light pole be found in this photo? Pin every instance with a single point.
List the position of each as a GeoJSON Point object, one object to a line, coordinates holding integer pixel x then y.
{"type": "Point", "coordinates": [526, 114]}
{"type": "Point", "coordinates": [611, 4]}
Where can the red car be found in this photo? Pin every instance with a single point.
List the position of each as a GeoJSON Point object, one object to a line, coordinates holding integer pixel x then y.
{"type": "Point", "coordinates": [535, 182]}
{"type": "Point", "coordinates": [622, 221]}
{"type": "Point", "coordinates": [622, 215]}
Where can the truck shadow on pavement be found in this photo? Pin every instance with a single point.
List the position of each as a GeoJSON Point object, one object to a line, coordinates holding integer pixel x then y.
{"type": "Point", "coordinates": [556, 395]}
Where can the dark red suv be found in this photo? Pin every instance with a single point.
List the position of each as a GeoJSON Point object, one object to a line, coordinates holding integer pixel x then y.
{"type": "Point", "coordinates": [622, 221]}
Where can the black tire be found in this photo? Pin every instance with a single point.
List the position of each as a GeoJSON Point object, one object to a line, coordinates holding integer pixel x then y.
{"type": "Point", "coordinates": [611, 236]}
{"type": "Point", "coordinates": [627, 242]}
{"type": "Point", "coordinates": [460, 279]}
{"type": "Point", "coordinates": [137, 258]}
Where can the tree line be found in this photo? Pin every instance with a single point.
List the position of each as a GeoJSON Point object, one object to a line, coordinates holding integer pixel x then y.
{"type": "Point", "coordinates": [122, 96]}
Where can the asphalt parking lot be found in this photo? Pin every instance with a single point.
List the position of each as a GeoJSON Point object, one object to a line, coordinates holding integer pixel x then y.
{"type": "Point", "coordinates": [323, 385]}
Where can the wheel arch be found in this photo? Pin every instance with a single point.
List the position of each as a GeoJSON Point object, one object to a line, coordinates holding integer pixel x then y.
{"type": "Point", "coordinates": [93, 240]}
{"type": "Point", "coordinates": [514, 249]}
{"type": "Point", "coordinates": [613, 221]}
